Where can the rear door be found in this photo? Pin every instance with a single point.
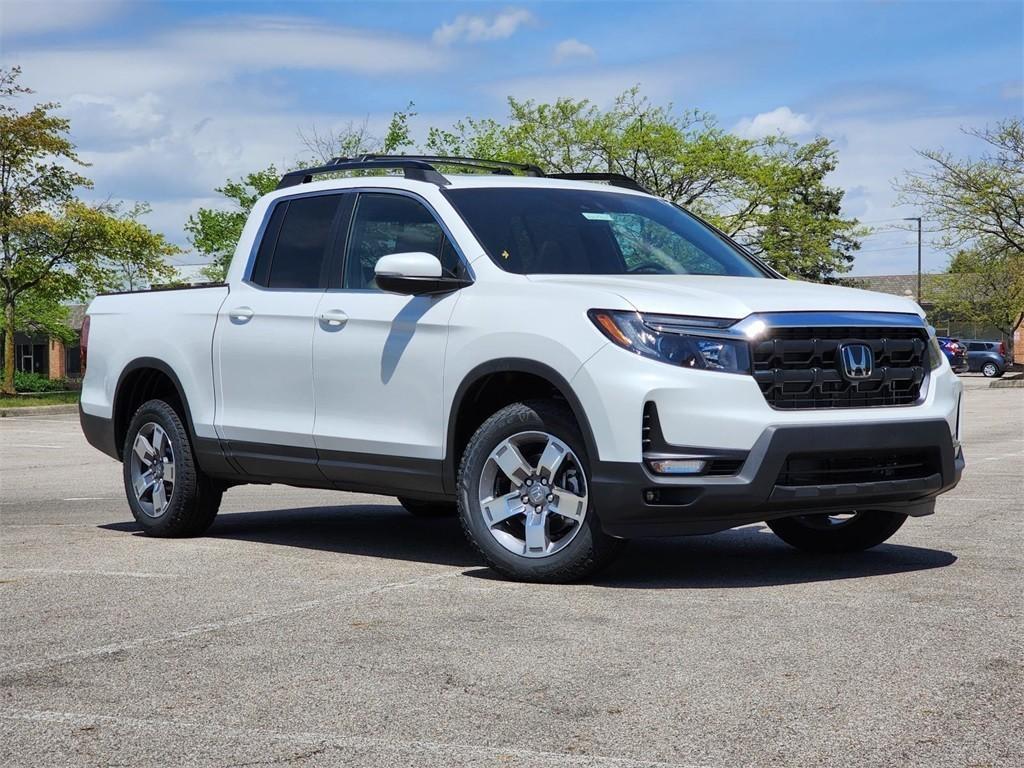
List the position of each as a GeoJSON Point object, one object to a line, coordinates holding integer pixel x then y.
{"type": "Point", "coordinates": [378, 357]}
{"type": "Point", "coordinates": [263, 345]}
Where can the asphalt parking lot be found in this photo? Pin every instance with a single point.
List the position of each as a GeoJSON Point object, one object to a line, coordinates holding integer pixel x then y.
{"type": "Point", "coordinates": [312, 628]}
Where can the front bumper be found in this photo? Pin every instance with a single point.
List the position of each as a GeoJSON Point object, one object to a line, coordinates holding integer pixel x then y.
{"type": "Point", "coordinates": [633, 502]}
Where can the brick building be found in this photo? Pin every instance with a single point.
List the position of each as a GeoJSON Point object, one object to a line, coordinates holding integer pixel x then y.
{"type": "Point", "coordinates": [51, 357]}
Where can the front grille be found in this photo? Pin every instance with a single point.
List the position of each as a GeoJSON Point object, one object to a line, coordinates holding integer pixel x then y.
{"type": "Point", "coordinates": [800, 367]}
{"type": "Point", "coordinates": [803, 469]}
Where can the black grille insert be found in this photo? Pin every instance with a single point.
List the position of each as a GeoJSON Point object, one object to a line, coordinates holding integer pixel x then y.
{"type": "Point", "coordinates": [802, 469]}
{"type": "Point", "coordinates": [800, 367]}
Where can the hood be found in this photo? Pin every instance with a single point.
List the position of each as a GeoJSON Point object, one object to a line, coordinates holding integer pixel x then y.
{"type": "Point", "coordinates": [731, 297]}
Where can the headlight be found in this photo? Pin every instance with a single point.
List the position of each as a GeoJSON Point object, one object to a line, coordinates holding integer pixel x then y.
{"type": "Point", "coordinates": [690, 342]}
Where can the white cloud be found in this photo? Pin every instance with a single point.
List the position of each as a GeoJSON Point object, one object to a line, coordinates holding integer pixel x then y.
{"type": "Point", "coordinates": [573, 49]}
{"type": "Point", "coordinates": [29, 17]}
{"type": "Point", "coordinates": [218, 51]}
{"type": "Point", "coordinates": [476, 29]}
{"type": "Point", "coordinates": [779, 120]}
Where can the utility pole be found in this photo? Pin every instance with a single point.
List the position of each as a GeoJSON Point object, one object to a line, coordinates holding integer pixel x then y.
{"type": "Point", "coordinates": [918, 220]}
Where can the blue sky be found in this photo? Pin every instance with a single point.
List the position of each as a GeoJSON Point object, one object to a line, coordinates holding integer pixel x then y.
{"type": "Point", "coordinates": [167, 99]}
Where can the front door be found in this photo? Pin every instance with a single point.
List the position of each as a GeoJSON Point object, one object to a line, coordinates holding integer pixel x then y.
{"type": "Point", "coordinates": [263, 345]}
{"type": "Point", "coordinates": [378, 357]}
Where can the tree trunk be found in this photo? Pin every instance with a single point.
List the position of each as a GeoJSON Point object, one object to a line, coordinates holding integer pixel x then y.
{"type": "Point", "coordinates": [7, 388]}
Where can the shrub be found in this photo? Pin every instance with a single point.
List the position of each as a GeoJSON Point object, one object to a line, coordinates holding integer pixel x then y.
{"type": "Point", "coordinates": [35, 382]}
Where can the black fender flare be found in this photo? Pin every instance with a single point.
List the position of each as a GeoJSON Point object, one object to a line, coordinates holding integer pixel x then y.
{"type": "Point", "coordinates": [209, 451]}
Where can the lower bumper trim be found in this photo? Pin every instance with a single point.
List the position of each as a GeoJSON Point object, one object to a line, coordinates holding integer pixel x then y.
{"type": "Point", "coordinates": [633, 502]}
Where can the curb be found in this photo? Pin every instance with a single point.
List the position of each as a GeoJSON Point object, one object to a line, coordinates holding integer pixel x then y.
{"type": "Point", "coordinates": [1017, 382]}
{"type": "Point", "coordinates": [39, 410]}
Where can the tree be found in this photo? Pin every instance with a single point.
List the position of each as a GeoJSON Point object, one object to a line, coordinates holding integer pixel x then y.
{"type": "Point", "coordinates": [984, 284]}
{"type": "Point", "coordinates": [53, 247]}
{"type": "Point", "coordinates": [132, 256]}
{"type": "Point", "coordinates": [215, 232]}
{"type": "Point", "coordinates": [974, 199]}
{"type": "Point", "coordinates": [769, 194]}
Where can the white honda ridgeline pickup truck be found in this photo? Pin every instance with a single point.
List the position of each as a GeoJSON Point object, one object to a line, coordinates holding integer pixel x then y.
{"type": "Point", "coordinates": [568, 364]}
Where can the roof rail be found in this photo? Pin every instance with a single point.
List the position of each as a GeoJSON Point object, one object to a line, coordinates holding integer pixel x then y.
{"type": "Point", "coordinates": [613, 179]}
{"type": "Point", "coordinates": [414, 169]}
{"type": "Point", "coordinates": [422, 168]}
{"type": "Point", "coordinates": [497, 166]}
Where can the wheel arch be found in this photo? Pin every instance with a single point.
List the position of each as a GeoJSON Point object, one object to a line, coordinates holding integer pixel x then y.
{"type": "Point", "coordinates": [466, 413]}
{"type": "Point", "coordinates": [140, 379]}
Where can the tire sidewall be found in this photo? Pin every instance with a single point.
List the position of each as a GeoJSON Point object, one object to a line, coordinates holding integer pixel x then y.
{"type": "Point", "coordinates": [516, 418]}
{"type": "Point", "coordinates": [183, 492]}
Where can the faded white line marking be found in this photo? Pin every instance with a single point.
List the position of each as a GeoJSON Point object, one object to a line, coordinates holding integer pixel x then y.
{"type": "Point", "coordinates": [89, 572]}
{"type": "Point", "coordinates": [53, 447]}
{"type": "Point", "coordinates": [90, 498]}
{"type": "Point", "coordinates": [341, 740]}
{"type": "Point", "coordinates": [217, 626]}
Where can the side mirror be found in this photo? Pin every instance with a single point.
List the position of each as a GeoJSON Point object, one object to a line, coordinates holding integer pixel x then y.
{"type": "Point", "coordinates": [415, 273]}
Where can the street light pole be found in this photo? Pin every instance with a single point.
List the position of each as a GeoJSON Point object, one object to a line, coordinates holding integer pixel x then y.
{"type": "Point", "coordinates": [918, 220]}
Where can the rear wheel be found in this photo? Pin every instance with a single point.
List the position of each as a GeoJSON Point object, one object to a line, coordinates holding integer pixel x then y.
{"type": "Point", "coordinates": [839, 532]}
{"type": "Point", "coordinates": [990, 370]}
{"type": "Point", "coordinates": [421, 508]}
{"type": "Point", "coordinates": [524, 497]}
{"type": "Point", "coordinates": [168, 494]}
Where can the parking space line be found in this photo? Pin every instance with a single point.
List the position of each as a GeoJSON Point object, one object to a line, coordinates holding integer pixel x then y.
{"type": "Point", "coordinates": [217, 626]}
{"type": "Point", "coordinates": [88, 572]}
{"type": "Point", "coordinates": [335, 739]}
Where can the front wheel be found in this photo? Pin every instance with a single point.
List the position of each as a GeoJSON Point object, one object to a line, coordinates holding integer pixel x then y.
{"type": "Point", "coordinates": [838, 532]}
{"type": "Point", "coordinates": [524, 496]}
{"type": "Point", "coordinates": [990, 370]}
{"type": "Point", "coordinates": [168, 494]}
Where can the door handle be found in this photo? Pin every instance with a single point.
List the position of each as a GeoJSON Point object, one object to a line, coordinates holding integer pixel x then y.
{"type": "Point", "coordinates": [241, 314]}
{"type": "Point", "coordinates": [333, 318]}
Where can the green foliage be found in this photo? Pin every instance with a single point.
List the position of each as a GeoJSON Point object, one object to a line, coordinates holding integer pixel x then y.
{"type": "Point", "coordinates": [53, 247]}
{"type": "Point", "coordinates": [215, 233]}
{"type": "Point", "coordinates": [769, 194]}
{"type": "Point", "coordinates": [39, 313]}
{"type": "Point", "coordinates": [984, 284]}
{"type": "Point", "coordinates": [132, 256]}
{"type": "Point", "coordinates": [978, 204]}
{"type": "Point", "coordinates": [975, 199]}
{"type": "Point", "coordinates": [25, 381]}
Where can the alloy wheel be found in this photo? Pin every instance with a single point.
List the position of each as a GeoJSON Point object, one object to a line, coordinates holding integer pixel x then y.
{"type": "Point", "coordinates": [152, 469]}
{"type": "Point", "coordinates": [533, 494]}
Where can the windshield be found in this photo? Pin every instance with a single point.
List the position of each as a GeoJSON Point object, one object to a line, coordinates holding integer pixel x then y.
{"type": "Point", "coordinates": [589, 232]}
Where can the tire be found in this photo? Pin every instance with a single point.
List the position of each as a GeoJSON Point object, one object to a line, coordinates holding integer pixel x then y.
{"type": "Point", "coordinates": [990, 371]}
{"type": "Point", "coordinates": [564, 542]}
{"type": "Point", "coordinates": [421, 508]}
{"type": "Point", "coordinates": [188, 503]}
{"type": "Point", "coordinates": [821, 534]}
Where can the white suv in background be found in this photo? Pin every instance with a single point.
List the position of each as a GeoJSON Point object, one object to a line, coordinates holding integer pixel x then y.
{"type": "Point", "coordinates": [568, 363]}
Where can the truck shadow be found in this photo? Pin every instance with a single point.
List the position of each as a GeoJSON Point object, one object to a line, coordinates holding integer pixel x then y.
{"type": "Point", "coordinates": [742, 558]}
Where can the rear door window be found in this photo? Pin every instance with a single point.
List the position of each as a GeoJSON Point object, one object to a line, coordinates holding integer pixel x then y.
{"type": "Point", "coordinates": [296, 242]}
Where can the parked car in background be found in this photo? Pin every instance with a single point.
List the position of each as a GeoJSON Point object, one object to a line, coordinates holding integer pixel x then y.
{"type": "Point", "coordinates": [955, 352]}
{"type": "Point", "coordinates": [989, 357]}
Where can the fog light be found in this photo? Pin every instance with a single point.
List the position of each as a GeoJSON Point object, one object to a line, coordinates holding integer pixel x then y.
{"type": "Point", "coordinates": [677, 466]}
